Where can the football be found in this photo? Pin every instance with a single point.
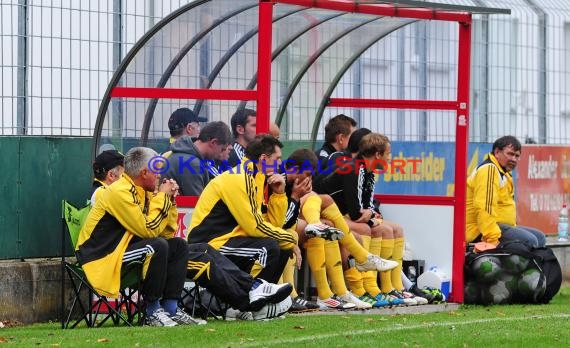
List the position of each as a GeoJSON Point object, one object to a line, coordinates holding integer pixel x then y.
{"type": "Point", "coordinates": [498, 292]}
{"type": "Point", "coordinates": [471, 293]}
{"type": "Point", "coordinates": [486, 268]}
{"type": "Point", "coordinates": [511, 282]}
{"type": "Point", "coordinates": [515, 264]}
{"type": "Point", "coordinates": [531, 285]}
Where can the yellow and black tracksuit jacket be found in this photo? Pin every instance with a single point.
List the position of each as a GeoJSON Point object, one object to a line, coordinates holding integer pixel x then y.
{"type": "Point", "coordinates": [121, 212]}
{"type": "Point", "coordinates": [490, 200]}
{"type": "Point", "coordinates": [230, 206]}
{"type": "Point", "coordinates": [97, 190]}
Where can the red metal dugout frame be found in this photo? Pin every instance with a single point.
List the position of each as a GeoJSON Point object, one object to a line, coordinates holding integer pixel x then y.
{"type": "Point", "coordinates": [461, 105]}
{"type": "Point", "coordinates": [262, 97]}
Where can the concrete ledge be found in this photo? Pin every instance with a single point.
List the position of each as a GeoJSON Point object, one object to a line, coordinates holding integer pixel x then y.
{"type": "Point", "coordinates": [562, 252]}
{"type": "Point", "coordinates": [554, 243]}
{"type": "Point", "coordinates": [432, 308]}
{"type": "Point", "coordinates": [30, 291]}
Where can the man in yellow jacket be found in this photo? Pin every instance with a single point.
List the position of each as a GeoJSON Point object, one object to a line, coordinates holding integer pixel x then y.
{"type": "Point", "coordinates": [229, 216]}
{"type": "Point", "coordinates": [129, 221]}
{"type": "Point", "coordinates": [491, 209]}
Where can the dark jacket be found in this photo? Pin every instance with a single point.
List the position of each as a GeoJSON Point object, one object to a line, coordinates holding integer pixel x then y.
{"type": "Point", "coordinates": [236, 155]}
{"type": "Point", "coordinates": [351, 186]}
{"type": "Point", "coordinates": [187, 166]}
{"type": "Point", "coordinates": [328, 158]}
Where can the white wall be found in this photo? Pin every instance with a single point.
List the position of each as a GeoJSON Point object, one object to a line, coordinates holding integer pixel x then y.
{"type": "Point", "coordinates": [428, 230]}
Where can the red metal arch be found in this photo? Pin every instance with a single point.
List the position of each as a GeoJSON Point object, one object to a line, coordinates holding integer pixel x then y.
{"type": "Point", "coordinates": [261, 95]}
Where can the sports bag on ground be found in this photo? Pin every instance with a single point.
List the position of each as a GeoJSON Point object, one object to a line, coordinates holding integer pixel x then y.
{"type": "Point", "coordinates": [511, 273]}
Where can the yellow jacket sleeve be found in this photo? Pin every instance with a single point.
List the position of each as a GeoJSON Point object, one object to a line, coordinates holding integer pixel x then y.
{"type": "Point", "coordinates": [486, 185]}
{"type": "Point", "coordinates": [132, 218]}
{"type": "Point", "coordinates": [247, 210]}
{"type": "Point", "coordinates": [172, 223]}
{"type": "Point", "coordinates": [277, 208]}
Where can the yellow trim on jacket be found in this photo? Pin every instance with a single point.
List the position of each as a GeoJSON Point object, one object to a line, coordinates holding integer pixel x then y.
{"type": "Point", "coordinates": [230, 206]}
{"type": "Point", "coordinates": [490, 200]}
{"type": "Point", "coordinates": [123, 210]}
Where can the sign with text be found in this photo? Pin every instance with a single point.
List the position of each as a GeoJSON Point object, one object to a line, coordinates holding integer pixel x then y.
{"type": "Point", "coordinates": [429, 168]}
{"type": "Point", "coordinates": [543, 184]}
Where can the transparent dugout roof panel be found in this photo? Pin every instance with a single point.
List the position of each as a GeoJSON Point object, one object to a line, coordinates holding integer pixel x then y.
{"type": "Point", "coordinates": [213, 44]}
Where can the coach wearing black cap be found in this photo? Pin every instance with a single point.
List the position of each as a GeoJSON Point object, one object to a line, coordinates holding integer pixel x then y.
{"type": "Point", "coordinates": [107, 168]}
{"type": "Point", "coordinates": [184, 122]}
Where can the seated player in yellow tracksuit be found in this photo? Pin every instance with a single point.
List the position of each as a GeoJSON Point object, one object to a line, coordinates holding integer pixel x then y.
{"type": "Point", "coordinates": [228, 214]}
{"type": "Point", "coordinates": [129, 222]}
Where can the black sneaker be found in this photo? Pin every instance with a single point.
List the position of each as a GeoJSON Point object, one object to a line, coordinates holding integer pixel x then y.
{"type": "Point", "coordinates": [323, 231]}
{"type": "Point", "coordinates": [425, 294]}
{"type": "Point", "coordinates": [302, 305]}
{"type": "Point", "coordinates": [439, 297]}
{"type": "Point", "coordinates": [297, 306]}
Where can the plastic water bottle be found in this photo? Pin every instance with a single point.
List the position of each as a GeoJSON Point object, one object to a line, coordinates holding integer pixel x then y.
{"type": "Point", "coordinates": [563, 224]}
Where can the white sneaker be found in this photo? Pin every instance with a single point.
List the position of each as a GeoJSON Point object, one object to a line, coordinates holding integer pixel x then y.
{"type": "Point", "coordinates": [323, 231]}
{"type": "Point", "coordinates": [350, 298]}
{"type": "Point", "coordinates": [268, 293]}
{"type": "Point", "coordinates": [376, 263]}
{"type": "Point", "coordinates": [408, 301]}
{"type": "Point", "coordinates": [159, 318]}
{"type": "Point", "coordinates": [273, 310]}
{"type": "Point", "coordinates": [182, 318]}
{"type": "Point", "coordinates": [235, 314]}
{"type": "Point", "coordinates": [335, 302]}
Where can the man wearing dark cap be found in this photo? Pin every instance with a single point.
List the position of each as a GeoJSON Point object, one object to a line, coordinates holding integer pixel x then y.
{"type": "Point", "coordinates": [184, 122]}
{"type": "Point", "coordinates": [192, 163]}
{"type": "Point", "coordinates": [107, 168]}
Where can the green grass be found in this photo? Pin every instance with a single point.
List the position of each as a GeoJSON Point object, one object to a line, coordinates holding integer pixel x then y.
{"type": "Point", "coordinates": [469, 326]}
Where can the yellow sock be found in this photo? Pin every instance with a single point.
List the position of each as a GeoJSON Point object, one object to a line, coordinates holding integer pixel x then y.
{"type": "Point", "coordinates": [357, 251]}
{"type": "Point", "coordinates": [386, 276]}
{"type": "Point", "coordinates": [354, 279]}
{"type": "Point", "coordinates": [370, 278]}
{"type": "Point", "coordinates": [348, 241]}
{"type": "Point", "coordinates": [289, 275]}
{"type": "Point", "coordinates": [397, 255]}
{"type": "Point", "coordinates": [311, 210]}
{"type": "Point", "coordinates": [316, 259]}
{"type": "Point", "coordinates": [334, 267]}
{"type": "Point", "coordinates": [334, 215]}
{"type": "Point", "coordinates": [366, 242]}
{"type": "Point", "coordinates": [370, 283]}
{"type": "Point", "coordinates": [375, 246]}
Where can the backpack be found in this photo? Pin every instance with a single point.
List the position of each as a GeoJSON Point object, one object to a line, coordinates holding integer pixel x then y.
{"type": "Point", "coordinates": [514, 272]}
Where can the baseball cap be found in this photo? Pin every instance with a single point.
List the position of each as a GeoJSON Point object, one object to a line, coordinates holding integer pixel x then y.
{"type": "Point", "coordinates": [107, 160]}
{"type": "Point", "coordinates": [181, 117]}
{"type": "Point", "coordinates": [106, 147]}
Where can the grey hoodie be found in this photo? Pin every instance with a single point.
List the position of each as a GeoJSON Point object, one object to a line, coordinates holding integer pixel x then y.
{"type": "Point", "coordinates": [187, 166]}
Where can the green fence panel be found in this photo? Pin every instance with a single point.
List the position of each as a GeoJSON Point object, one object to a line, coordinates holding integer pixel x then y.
{"type": "Point", "coordinates": [38, 172]}
{"type": "Point", "coordinates": [46, 170]}
{"type": "Point", "coordinates": [9, 179]}
{"type": "Point", "coordinates": [291, 145]}
{"type": "Point", "coordinates": [125, 144]}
